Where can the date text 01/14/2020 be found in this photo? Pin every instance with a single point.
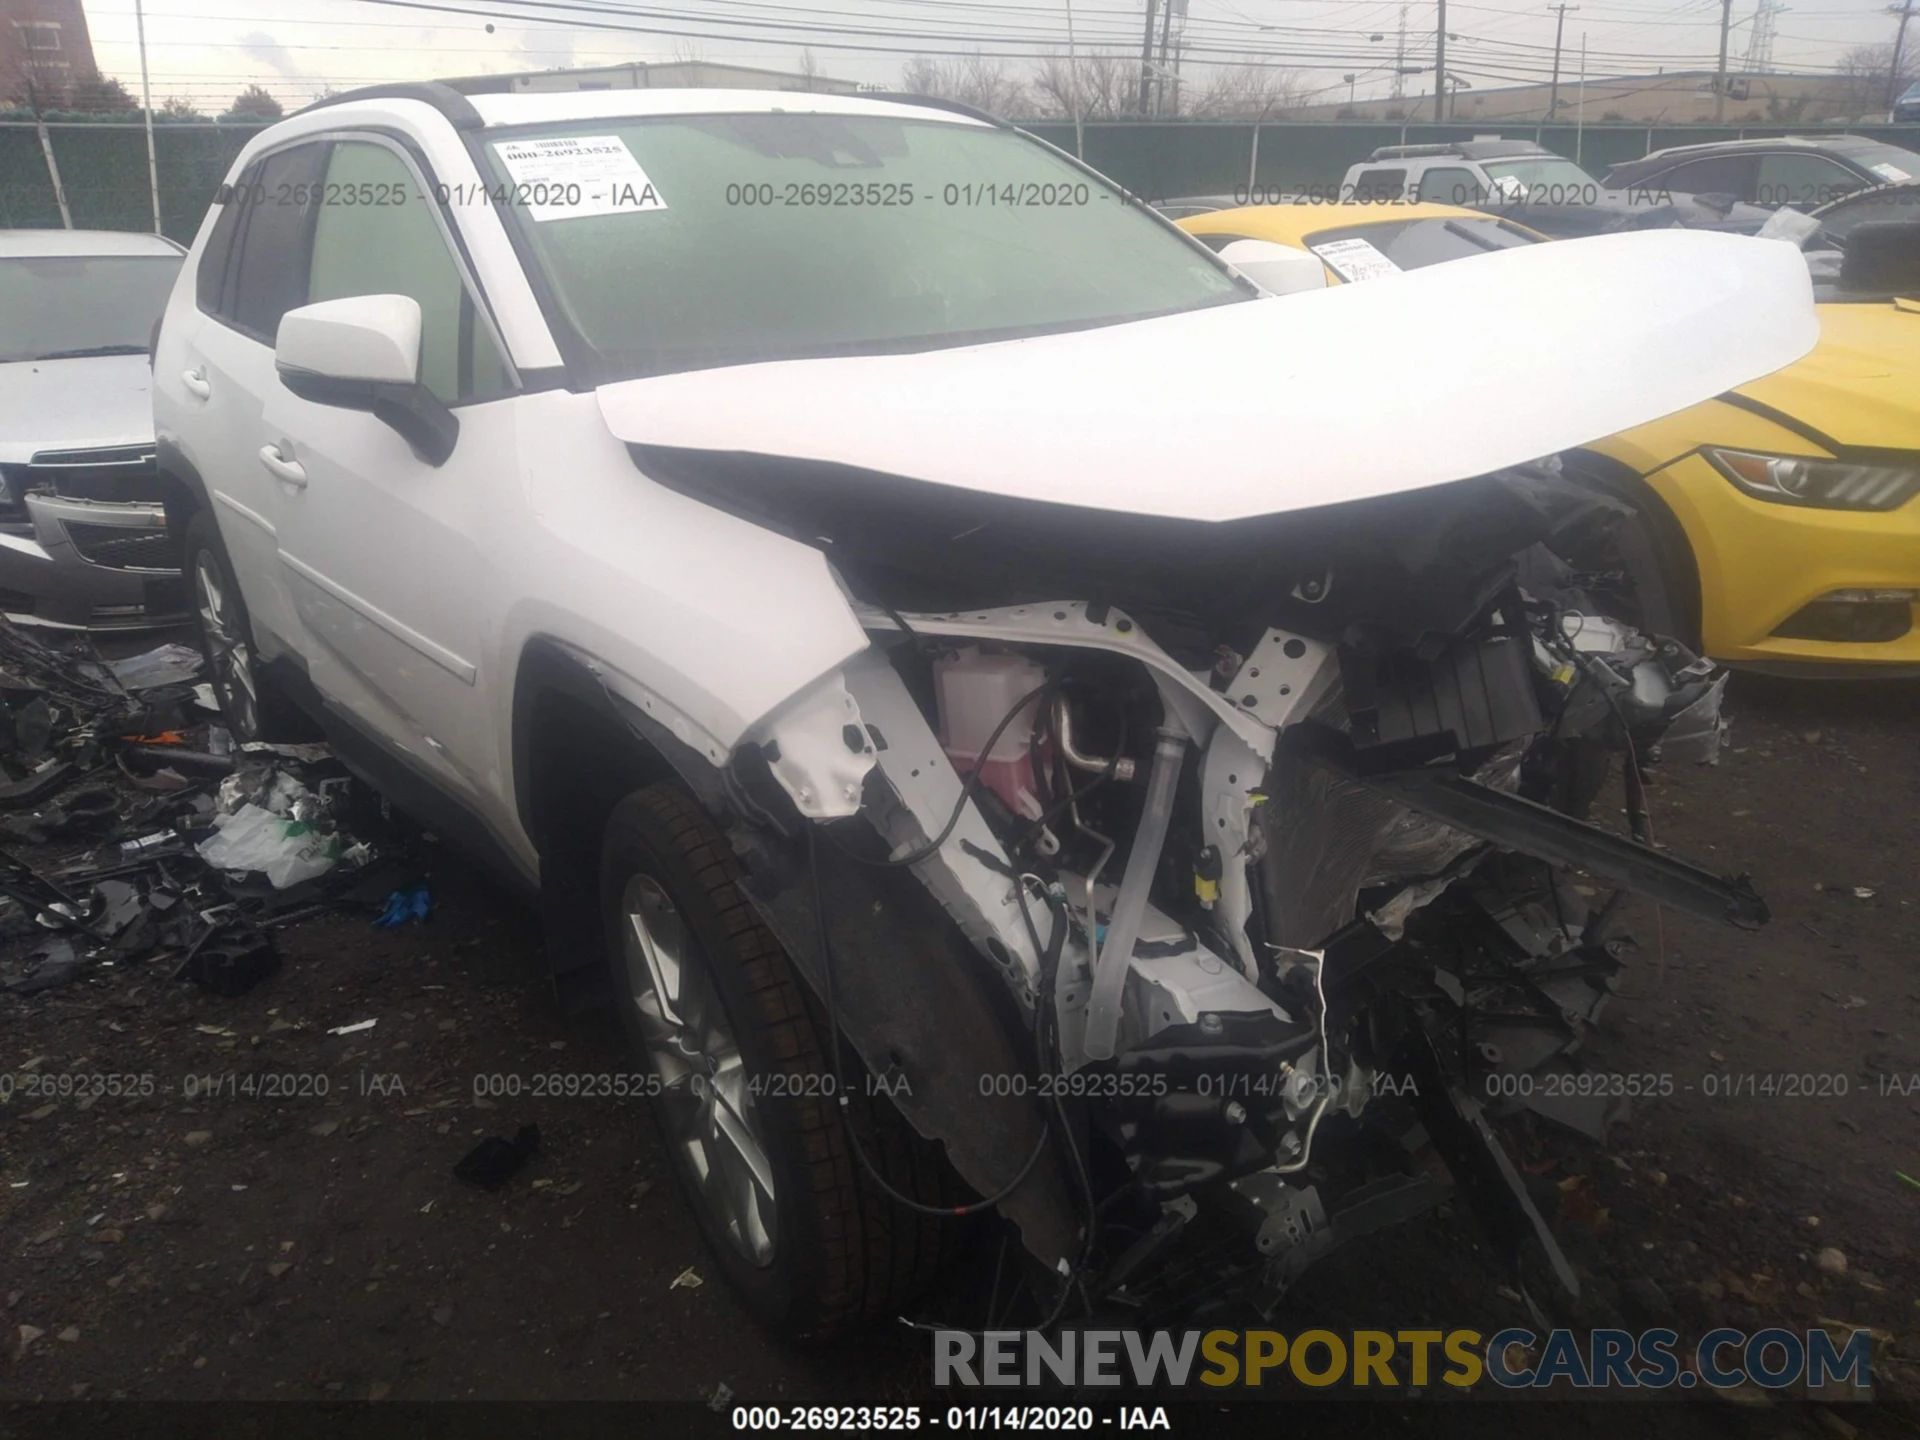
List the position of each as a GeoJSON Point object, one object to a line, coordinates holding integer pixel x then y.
{"type": "Point", "coordinates": [1065, 1419]}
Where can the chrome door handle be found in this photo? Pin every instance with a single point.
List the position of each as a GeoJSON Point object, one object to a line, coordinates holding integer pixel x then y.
{"type": "Point", "coordinates": [196, 383]}
{"type": "Point", "coordinates": [281, 468]}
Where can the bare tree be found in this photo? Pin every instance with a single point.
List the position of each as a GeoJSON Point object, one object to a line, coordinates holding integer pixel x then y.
{"type": "Point", "coordinates": [1864, 81]}
{"type": "Point", "coordinates": [977, 80]}
{"type": "Point", "coordinates": [809, 70]}
{"type": "Point", "coordinates": [1245, 92]}
{"type": "Point", "coordinates": [1105, 87]}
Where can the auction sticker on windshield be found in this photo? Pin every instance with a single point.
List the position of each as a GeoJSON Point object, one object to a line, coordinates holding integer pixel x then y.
{"type": "Point", "coordinates": [1355, 259]}
{"type": "Point", "coordinates": [577, 176]}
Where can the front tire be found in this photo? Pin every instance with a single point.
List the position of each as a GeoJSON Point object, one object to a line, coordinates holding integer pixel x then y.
{"type": "Point", "coordinates": [1639, 569]}
{"type": "Point", "coordinates": [713, 1007]}
{"type": "Point", "coordinates": [253, 711]}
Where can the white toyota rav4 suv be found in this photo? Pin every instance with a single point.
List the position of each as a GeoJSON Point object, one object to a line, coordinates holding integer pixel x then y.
{"type": "Point", "coordinates": [1017, 719]}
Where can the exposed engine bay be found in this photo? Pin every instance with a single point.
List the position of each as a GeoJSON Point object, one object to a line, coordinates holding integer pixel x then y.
{"type": "Point", "coordinates": [1215, 871]}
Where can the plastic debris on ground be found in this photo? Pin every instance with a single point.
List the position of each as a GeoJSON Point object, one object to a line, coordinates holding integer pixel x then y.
{"type": "Point", "coordinates": [494, 1161]}
{"type": "Point", "coordinates": [155, 836]}
{"type": "Point", "coordinates": [167, 665]}
{"type": "Point", "coordinates": [412, 903]}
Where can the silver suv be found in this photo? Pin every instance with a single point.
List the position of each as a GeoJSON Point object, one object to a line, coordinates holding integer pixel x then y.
{"type": "Point", "coordinates": [83, 536]}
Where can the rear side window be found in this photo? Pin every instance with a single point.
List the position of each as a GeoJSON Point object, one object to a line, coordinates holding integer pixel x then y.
{"type": "Point", "coordinates": [1379, 185]}
{"type": "Point", "coordinates": [210, 280]}
{"type": "Point", "coordinates": [269, 271]}
{"type": "Point", "coordinates": [1451, 185]}
{"type": "Point", "coordinates": [1804, 180]}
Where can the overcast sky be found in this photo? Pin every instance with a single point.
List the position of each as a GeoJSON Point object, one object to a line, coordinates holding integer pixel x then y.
{"type": "Point", "coordinates": [207, 50]}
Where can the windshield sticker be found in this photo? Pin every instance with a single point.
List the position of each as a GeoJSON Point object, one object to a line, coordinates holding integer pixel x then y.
{"type": "Point", "coordinates": [578, 176]}
{"type": "Point", "coordinates": [1891, 173]}
{"type": "Point", "coordinates": [1354, 260]}
{"type": "Point", "coordinates": [1511, 186]}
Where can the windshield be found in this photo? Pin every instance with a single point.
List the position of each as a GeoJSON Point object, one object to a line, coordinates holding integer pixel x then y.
{"type": "Point", "coordinates": [1889, 162]}
{"type": "Point", "coordinates": [1361, 252]}
{"type": "Point", "coordinates": [58, 306]}
{"type": "Point", "coordinates": [1869, 207]}
{"type": "Point", "coordinates": [1542, 179]}
{"type": "Point", "coordinates": [689, 241]}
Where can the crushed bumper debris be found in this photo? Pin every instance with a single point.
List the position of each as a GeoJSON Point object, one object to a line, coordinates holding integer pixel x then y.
{"type": "Point", "coordinates": [153, 838]}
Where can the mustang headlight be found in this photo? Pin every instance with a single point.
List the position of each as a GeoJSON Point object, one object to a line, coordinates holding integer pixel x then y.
{"type": "Point", "coordinates": [1821, 484]}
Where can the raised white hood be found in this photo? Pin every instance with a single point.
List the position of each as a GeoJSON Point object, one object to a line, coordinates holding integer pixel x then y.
{"type": "Point", "coordinates": [1279, 404]}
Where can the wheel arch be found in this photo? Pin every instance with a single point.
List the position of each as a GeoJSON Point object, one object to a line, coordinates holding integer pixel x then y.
{"type": "Point", "coordinates": [575, 753]}
{"type": "Point", "coordinates": [183, 491]}
{"type": "Point", "coordinates": [1674, 551]}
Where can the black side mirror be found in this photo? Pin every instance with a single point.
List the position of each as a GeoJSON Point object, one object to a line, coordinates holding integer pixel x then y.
{"type": "Point", "coordinates": [413, 411]}
{"type": "Point", "coordinates": [1882, 258]}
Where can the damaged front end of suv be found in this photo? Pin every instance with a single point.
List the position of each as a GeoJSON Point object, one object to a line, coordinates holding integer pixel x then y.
{"type": "Point", "coordinates": [1182, 877]}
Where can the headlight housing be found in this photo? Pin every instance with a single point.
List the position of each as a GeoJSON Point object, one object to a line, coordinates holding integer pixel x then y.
{"type": "Point", "coordinates": [1818, 483]}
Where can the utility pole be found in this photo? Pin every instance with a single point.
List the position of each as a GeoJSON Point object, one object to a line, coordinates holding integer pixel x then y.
{"type": "Point", "coordinates": [1905, 12]}
{"type": "Point", "coordinates": [1146, 60]}
{"type": "Point", "coordinates": [1400, 59]}
{"type": "Point", "coordinates": [1559, 26]}
{"type": "Point", "coordinates": [46, 150]}
{"type": "Point", "coordinates": [1166, 45]}
{"type": "Point", "coordinates": [1720, 79]}
{"type": "Point", "coordinates": [146, 112]}
{"type": "Point", "coordinates": [1440, 66]}
{"type": "Point", "coordinates": [1073, 90]}
{"type": "Point", "coordinates": [1580, 110]}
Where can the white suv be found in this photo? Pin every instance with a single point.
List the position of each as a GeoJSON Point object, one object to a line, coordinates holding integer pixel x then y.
{"type": "Point", "coordinates": [1015, 718]}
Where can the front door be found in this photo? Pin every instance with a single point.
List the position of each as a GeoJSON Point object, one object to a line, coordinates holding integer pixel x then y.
{"type": "Point", "coordinates": [384, 554]}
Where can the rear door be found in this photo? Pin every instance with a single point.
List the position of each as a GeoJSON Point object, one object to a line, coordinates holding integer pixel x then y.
{"type": "Point", "coordinates": [384, 555]}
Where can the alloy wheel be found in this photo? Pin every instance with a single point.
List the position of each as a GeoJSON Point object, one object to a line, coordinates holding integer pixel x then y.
{"type": "Point", "coordinates": [706, 1096]}
{"type": "Point", "coordinates": [227, 648]}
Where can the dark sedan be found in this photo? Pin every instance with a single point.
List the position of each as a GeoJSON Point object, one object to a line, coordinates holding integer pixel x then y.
{"type": "Point", "coordinates": [1798, 170]}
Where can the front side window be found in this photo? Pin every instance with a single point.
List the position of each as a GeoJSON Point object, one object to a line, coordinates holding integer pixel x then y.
{"type": "Point", "coordinates": [62, 307]}
{"type": "Point", "coordinates": [374, 234]}
{"type": "Point", "coordinates": [680, 242]}
{"type": "Point", "coordinates": [1715, 175]}
{"type": "Point", "coordinates": [1803, 180]}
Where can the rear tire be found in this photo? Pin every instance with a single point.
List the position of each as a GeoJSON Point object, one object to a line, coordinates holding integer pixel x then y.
{"type": "Point", "coordinates": [713, 1007]}
{"type": "Point", "coordinates": [253, 709]}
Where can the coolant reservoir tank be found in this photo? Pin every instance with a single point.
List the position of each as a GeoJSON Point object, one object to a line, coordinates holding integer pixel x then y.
{"type": "Point", "coordinates": [974, 690]}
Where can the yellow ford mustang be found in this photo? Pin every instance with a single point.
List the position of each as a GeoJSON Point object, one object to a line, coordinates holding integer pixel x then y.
{"type": "Point", "coordinates": [1779, 523]}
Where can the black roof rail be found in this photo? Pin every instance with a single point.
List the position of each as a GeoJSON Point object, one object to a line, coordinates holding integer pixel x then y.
{"type": "Point", "coordinates": [457, 108]}
{"type": "Point", "coordinates": [1414, 152]}
{"type": "Point", "coordinates": [934, 102]}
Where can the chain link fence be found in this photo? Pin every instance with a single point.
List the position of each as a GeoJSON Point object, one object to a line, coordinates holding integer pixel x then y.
{"type": "Point", "coordinates": [103, 166]}
{"type": "Point", "coordinates": [103, 169]}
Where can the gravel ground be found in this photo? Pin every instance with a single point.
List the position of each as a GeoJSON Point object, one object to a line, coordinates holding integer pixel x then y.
{"type": "Point", "coordinates": [248, 1246]}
